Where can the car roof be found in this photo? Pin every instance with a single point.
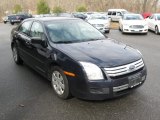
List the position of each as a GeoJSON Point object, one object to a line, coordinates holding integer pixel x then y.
{"type": "Point", "coordinates": [45, 19]}
{"type": "Point", "coordinates": [131, 14]}
{"type": "Point", "coordinates": [117, 10]}
{"type": "Point", "coordinates": [156, 13]}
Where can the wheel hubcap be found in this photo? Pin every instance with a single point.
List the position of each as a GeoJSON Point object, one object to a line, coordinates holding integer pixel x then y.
{"type": "Point", "coordinates": [58, 83]}
{"type": "Point", "coordinates": [15, 54]}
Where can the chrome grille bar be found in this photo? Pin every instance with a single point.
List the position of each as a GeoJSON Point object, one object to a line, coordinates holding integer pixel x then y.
{"type": "Point", "coordinates": [125, 69]}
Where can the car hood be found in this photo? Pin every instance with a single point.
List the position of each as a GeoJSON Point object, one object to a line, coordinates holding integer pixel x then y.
{"type": "Point", "coordinates": [135, 22]}
{"type": "Point", "coordinates": [98, 21]}
{"type": "Point", "coordinates": [104, 53]}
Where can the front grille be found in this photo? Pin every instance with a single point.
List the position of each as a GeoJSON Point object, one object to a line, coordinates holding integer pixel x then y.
{"type": "Point", "coordinates": [137, 26]}
{"type": "Point", "coordinates": [124, 69]}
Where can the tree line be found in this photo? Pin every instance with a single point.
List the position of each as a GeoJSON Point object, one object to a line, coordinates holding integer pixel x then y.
{"type": "Point", "coordinates": [47, 6]}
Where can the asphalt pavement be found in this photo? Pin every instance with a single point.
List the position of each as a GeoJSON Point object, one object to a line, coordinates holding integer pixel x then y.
{"type": "Point", "coordinates": [25, 95]}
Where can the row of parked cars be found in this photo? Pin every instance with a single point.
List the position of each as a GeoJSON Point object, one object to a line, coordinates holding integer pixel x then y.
{"type": "Point", "coordinates": [16, 18]}
{"type": "Point", "coordinates": [128, 22]}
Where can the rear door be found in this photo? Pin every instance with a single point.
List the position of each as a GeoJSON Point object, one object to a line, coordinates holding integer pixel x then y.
{"type": "Point", "coordinates": [113, 16]}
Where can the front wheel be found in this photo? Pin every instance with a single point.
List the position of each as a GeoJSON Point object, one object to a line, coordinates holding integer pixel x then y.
{"type": "Point", "coordinates": [156, 30]}
{"type": "Point", "coordinates": [12, 23]}
{"type": "Point", "coordinates": [60, 83]}
{"type": "Point", "coordinates": [16, 56]}
{"type": "Point", "coordinates": [122, 30]}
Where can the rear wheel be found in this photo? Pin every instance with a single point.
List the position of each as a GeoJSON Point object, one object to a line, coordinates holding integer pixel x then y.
{"type": "Point", "coordinates": [16, 56]}
{"type": "Point", "coordinates": [156, 30]}
{"type": "Point", "coordinates": [60, 83]}
{"type": "Point", "coordinates": [119, 28]}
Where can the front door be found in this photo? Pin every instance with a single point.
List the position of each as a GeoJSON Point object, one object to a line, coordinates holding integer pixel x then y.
{"type": "Point", "coordinates": [39, 53]}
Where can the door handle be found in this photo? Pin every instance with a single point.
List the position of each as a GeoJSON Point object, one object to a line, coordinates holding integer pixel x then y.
{"type": "Point", "coordinates": [27, 42]}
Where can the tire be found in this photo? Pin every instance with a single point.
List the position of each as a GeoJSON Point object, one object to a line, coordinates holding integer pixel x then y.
{"type": "Point", "coordinates": [146, 33]}
{"type": "Point", "coordinates": [156, 30]}
{"type": "Point", "coordinates": [12, 23]}
{"type": "Point", "coordinates": [16, 56]}
{"type": "Point", "coordinates": [60, 83]}
{"type": "Point", "coordinates": [122, 30]}
{"type": "Point", "coordinates": [5, 22]}
{"type": "Point", "coordinates": [107, 31]}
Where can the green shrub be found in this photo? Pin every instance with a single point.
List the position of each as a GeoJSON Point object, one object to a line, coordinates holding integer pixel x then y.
{"type": "Point", "coordinates": [43, 7]}
{"type": "Point", "coordinates": [81, 9]}
{"type": "Point", "coordinates": [58, 10]}
{"type": "Point", "coordinates": [17, 8]}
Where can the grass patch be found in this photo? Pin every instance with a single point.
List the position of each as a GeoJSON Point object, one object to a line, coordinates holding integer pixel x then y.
{"type": "Point", "coordinates": [114, 25]}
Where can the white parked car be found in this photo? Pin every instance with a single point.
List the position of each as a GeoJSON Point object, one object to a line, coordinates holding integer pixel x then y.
{"type": "Point", "coordinates": [100, 21]}
{"type": "Point", "coordinates": [133, 23]}
{"type": "Point", "coordinates": [154, 23]}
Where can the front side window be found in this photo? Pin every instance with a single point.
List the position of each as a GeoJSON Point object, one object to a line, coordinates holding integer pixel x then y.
{"type": "Point", "coordinates": [114, 13]}
{"type": "Point", "coordinates": [36, 30]}
{"type": "Point", "coordinates": [72, 31]}
{"type": "Point", "coordinates": [25, 27]}
{"type": "Point", "coordinates": [119, 14]}
{"type": "Point", "coordinates": [158, 17]}
{"type": "Point", "coordinates": [151, 17]}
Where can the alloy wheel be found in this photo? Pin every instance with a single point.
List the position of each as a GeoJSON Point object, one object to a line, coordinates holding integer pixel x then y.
{"type": "Point", "coordinates": [15, 54]}
{"type": "Point", "coordinates": [156, 30]}
{"type": "Point", "coordinates": [58, 83]}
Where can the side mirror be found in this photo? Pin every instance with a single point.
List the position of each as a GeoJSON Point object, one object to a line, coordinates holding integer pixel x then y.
{"type": "Point", "coordinates": [38, 40]}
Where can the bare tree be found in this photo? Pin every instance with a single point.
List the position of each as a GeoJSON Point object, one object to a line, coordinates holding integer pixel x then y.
{"type": "Point", "coordinates": [144, 5]}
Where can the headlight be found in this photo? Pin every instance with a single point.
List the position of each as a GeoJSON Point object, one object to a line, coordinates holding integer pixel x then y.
{"type": "Point", "coordinates": [125, 24]}
{"type": "Point", "coordinates": [145, 25]}
{"type": "Point", "coordinates": [93, 71]}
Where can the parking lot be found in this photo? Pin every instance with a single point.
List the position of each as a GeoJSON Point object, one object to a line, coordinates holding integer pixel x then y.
{"type": "Point", "coordinates": [25, 95]}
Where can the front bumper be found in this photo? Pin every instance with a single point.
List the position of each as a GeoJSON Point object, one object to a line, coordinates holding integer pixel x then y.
{"type": "Point", "coordinates": [110, 88]}
{"type": "Point", "coordinates": [127, 29]}
{"type": "Point", "coordinates": [15, 21]}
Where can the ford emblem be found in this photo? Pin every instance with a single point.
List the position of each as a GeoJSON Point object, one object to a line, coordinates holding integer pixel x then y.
{"type": "Point", "coordinates": [132, 67]}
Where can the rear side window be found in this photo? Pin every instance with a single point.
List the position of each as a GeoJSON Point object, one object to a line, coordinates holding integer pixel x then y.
{"type": "Point", "coordinates": [109, 13]}
{"type": "Point", "coordinates": [114, 13]}
{"type": "Point", "coordinates": [25, 27]}
{"type": "Point", "coordinates": [36, 30]}
{"type": "Point", "coordinates": [151, 17]}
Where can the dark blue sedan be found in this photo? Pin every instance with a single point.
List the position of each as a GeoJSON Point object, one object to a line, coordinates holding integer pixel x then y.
{"type": "Point", "coordinates": [77, 58]}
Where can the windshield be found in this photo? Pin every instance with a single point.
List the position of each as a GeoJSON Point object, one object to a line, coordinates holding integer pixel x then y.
{"type": "Point", "coordinates": [133, 17]}
{"type": "Point", "coordinates": [70, 31]}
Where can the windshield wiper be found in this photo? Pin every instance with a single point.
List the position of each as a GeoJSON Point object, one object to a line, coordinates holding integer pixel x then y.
{"type": "Point", "coordinates": [93, 39]}
{"type": "Point", "coordinates": [64, 42]}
